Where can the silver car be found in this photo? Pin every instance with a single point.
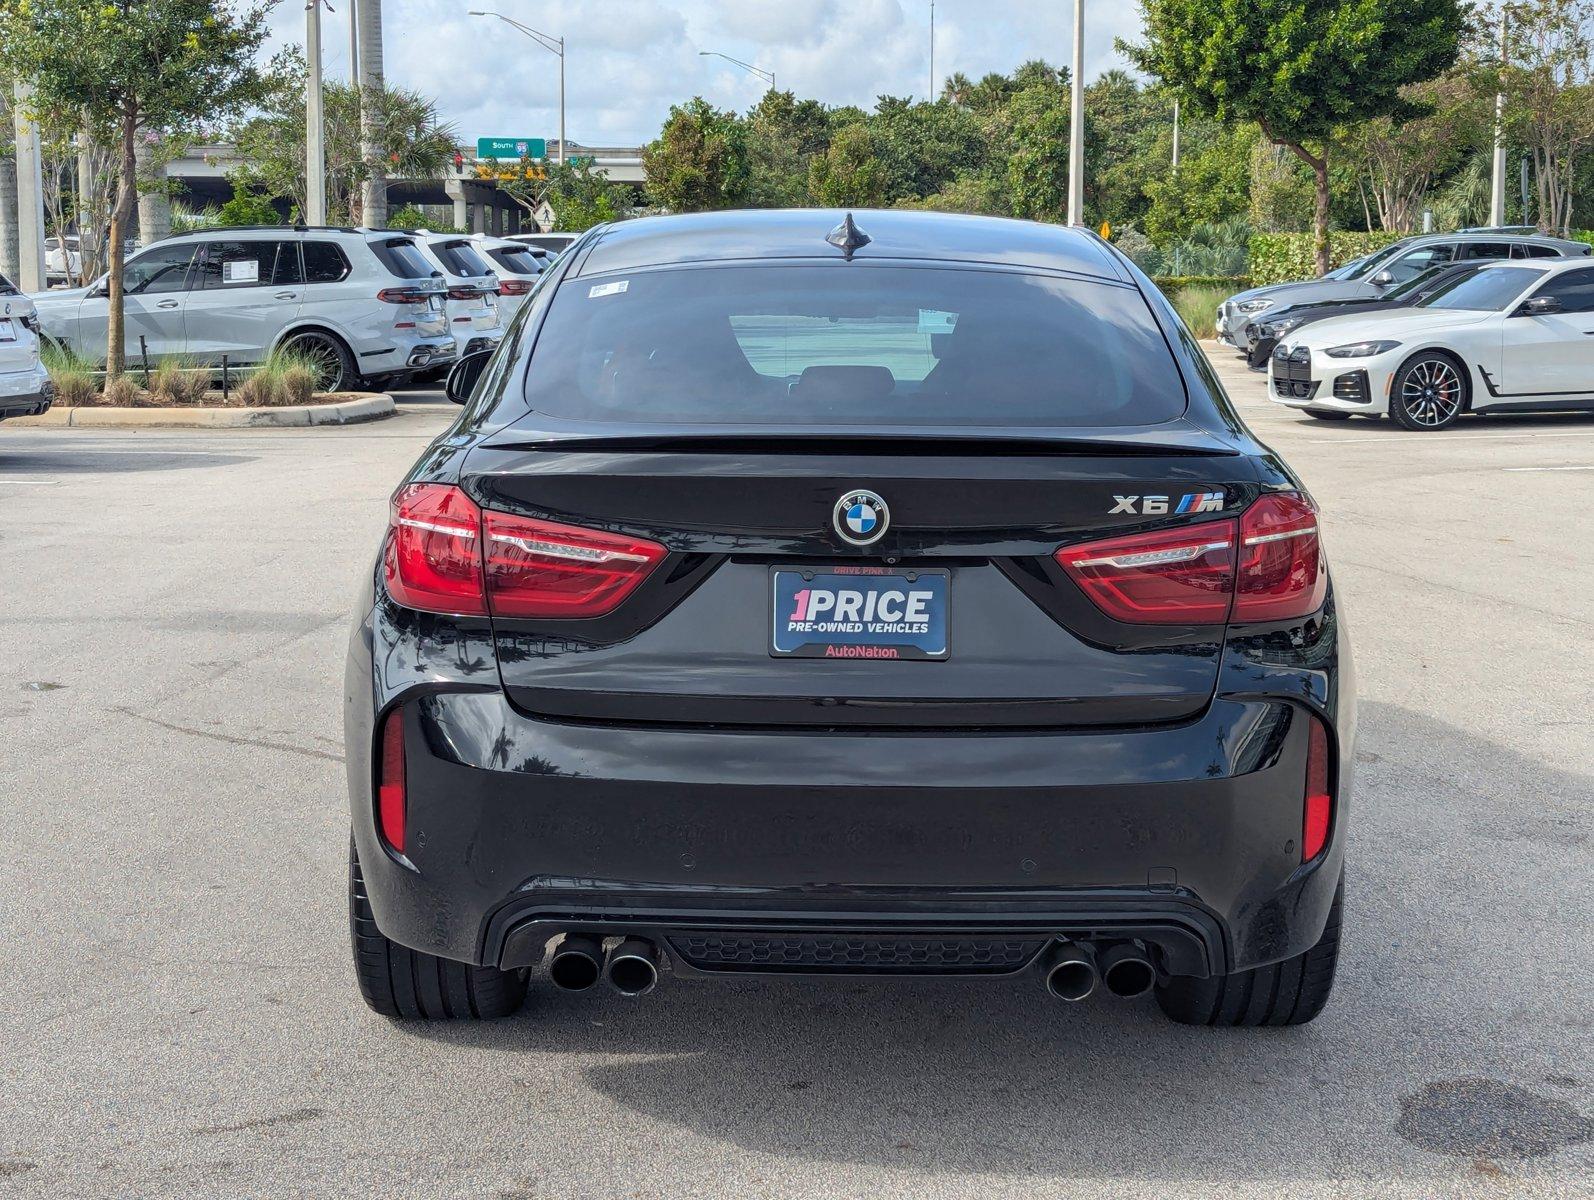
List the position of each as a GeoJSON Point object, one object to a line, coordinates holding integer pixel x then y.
{"type": "Point", "coordinates": [24, 386]}
{"type": "Point", "coordinates": [366, 305]}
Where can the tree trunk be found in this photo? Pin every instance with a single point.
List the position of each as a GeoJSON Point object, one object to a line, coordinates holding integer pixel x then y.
{"type": "Point", "coordinates": [121, 218]}
{"type": "Point", "coordinates": [1319, 165]}
{"type": "Point", "coordinates": [373, 193]}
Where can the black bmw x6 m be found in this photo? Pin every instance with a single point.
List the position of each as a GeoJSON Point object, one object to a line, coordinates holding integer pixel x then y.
{"type": "Point", "coordinates": [891, 594]}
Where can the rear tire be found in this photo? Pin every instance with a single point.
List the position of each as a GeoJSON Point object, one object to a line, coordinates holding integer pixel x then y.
{"type": "Point", "coordinates": [1291, 992]}
{"type": "Point", "coordinates": [1318, 414]}
{"type": "Point", "coordinates": [328, 357]}
{"type": "Point", "coordinates": [399, 982]}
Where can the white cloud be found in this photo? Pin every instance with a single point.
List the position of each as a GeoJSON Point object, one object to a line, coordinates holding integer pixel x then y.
{"type": "Point", "coordinates": [629, 60]}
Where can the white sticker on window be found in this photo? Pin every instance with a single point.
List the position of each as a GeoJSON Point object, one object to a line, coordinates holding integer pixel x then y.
{"type": "Point", "coordinates": [241, 270]}
{"type": "Point", "coordinates": [607, 289]}
{"type": "Point", "coordinates": [933, 320]}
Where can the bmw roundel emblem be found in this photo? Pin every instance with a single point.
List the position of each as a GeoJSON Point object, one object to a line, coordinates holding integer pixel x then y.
{"type": "Point", "coordinates": [861, 518]}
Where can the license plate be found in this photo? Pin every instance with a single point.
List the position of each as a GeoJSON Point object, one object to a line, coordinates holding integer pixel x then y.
{"type": "Point", "coordinates": [8, 331]}
{"type": "Point", "coordinates": [860, 612]}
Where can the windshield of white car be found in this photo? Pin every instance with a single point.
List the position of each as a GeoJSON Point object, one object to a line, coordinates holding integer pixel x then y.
{"type": "Point", "coordinates": [1487, 291]}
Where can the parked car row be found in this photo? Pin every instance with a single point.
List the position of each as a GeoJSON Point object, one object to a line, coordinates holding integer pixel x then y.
{"type": "Point", "coordinates": [371, 307]}
{"type": "Point", "coordinates": [1428, 329]}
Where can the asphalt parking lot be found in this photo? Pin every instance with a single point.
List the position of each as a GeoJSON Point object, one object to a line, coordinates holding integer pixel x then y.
{"type": "Point", "coordinates": [179, 1016]}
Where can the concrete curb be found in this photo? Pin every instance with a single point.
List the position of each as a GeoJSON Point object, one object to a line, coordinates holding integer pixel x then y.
{"type": "Point", "coordinates": [346, 412]}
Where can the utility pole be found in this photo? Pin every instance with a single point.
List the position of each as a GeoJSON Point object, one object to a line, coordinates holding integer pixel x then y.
{"type": "Point", "coordinates": [30, 195]}
{"type": "Point", "coordinates": [930, 96]}
{"type": "Point", "coordinates": [373, 192]}
{"type": "Point", "coordinates": [1176, 135]}
{"type": "Point", "coordinates": [1497, 185]}
{"type": "Point", "coordinates": [354, 47]}
{"type": "Point", "coordinates": [315, 155]}
{"type": "Point", "coordinates": [1076, 123]}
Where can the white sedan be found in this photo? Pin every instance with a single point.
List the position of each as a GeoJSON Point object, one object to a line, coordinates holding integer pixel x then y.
{"type": "Point", "coordinates": [1509, 338]}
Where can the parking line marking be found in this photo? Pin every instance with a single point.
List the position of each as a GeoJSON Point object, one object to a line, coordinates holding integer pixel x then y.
{"type": "Point", "coordinates": [1418, 438]}
{"type": "Point", "coordinates": [1587, 468]}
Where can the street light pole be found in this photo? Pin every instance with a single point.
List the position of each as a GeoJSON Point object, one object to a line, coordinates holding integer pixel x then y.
{"type": "Point", "coordinates": [931, 94]}
{"type": "Point", "coordinates": [1176, 135]}
{"type": "Point", "coordinates": [767, 76]}
{"type": "Point", "coordinates": [315, 179]}
{"type": "Point", "coordinates": [554, 45]}
{"type": "Point", "coordinates": [1076, 123]}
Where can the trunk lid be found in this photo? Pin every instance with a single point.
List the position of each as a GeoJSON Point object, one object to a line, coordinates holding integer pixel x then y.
{"type": "Point", "coordinates": [738, 507]}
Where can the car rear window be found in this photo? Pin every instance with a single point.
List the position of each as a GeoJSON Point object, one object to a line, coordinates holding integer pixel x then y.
{"type": "Point", "coordinates": [520, 259]}
{"type": "Point", "coordinates": [7, 288]}
{"type": "Point", "coordinates": [403, 258]}
{"type": "Point", "coordinates": [850, 344]}
{"type": "Point", "coordinates": [460, 258]}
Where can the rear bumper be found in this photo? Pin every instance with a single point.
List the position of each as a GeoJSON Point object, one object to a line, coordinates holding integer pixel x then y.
{"type": "Point", "coordinates": [25, 394]}
{"type": "Point", "coordinates": [521, 828]}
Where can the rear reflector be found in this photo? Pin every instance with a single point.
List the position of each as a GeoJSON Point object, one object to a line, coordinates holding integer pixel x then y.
{"type": "Point", "coordinates": [1319, 804]}
{"type": "Point", "coordinates": [543, 569]}
{"type": "Point", "coordinates": [433, 556]}
{"type": "Point", "coordinates": [1265, 567]}
{"type": "Point", "coordinates": [1169, 577]}
{"type": "Point", "coordinates": [390, 796]}
{"type": "Point", "coordinates": [434, 560]}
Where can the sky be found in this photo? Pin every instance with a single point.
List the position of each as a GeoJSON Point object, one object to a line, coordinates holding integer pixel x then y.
{"type": "Point", "coordinates": [629, 60]}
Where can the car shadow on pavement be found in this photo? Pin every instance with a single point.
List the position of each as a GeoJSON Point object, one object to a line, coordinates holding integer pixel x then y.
{"type": "Point", "coordinates": [1455, 1043]}
{"type": "Point", "coordinates": [100, 460]}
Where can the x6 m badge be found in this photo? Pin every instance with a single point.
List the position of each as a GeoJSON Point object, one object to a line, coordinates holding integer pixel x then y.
{"type": "Point", "coordinates": [1157, 506]}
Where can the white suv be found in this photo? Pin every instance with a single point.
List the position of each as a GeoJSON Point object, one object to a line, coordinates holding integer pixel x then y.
{"type": "Point", "coordinates": [24, 386]}
{"type": "Point", "coordinates": [473, 315]}
{"type": "Point", "coordinates": [364, 303]}
{"type": "Point", "coordinates": [517, 266]}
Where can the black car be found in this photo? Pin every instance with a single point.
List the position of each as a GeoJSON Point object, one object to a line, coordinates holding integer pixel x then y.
{"type": "Point", "coordinates": [1263, 336]}
{"type": "Point", "coordinates": [894, 595]}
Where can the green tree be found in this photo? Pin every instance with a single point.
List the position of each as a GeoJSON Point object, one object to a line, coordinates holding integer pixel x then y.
{"type": "Point", "coordinates": [849, 174]}
{"type": "Point", "coordinates": [409, 137]}
{"type": "Point", "coordinates": [699, 159]}
{"type": "Point", "coordinates": [783, 136]}
{"type": "Point", "coordinates": [1549, 87]}
{"type": "Point", "coordinates": [127, 66]}
{"type": "Point", "coordinates": [1213, 181]}
{"type": "Point", "coordinates": [1037, 153]}
{"type": "Point", "coordinates": [923, 147]}
{"type": "Point", "coordinates": [248, 208]}
{"type": "Point", "coordinates": [1301, 69]}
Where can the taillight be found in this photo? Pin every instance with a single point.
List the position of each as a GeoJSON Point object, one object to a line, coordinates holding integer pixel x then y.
{"type": "Point", "coordinates": [433, 558]}
{"type": "Point", "coordinates": [401, 295]}
{"type": "Point", "coordinates": [1281, 560]}
{"type": "Point", "coordinates": [390, 794]}
{"type": "Point", "coordinates": [1265, 567]}
{"type": "Point", "coordinates": [544, 569]}
{"type": "Point", "coordinates": [514, 287]}
{"type": "Point", "coordinates": [1168, 577]}
{"type": "Point", "coordinates": [1318, 805]}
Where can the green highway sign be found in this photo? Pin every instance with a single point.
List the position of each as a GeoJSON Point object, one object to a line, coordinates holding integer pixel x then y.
{"type": "Point", "coordinates": [512, 147]}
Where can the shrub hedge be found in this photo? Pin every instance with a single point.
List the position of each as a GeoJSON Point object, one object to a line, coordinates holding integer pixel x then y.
{"type": "Point", "coordinates": [1283, 257]}
{"type": "Point", "coordinates": [1172, 285]}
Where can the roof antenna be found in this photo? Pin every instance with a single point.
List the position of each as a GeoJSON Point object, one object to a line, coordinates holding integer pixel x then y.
{"type": "Point", "coordinates": [847, 237]}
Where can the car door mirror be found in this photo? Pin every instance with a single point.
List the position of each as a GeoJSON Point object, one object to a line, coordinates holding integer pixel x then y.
{"type": "Point", "coordinates": [462, 378]}
{"type": "Point", "coordinates": [1382, 279]}
{"type": "Point", "coordinates": [101, 287]}
{"type": "Point", "coordinates": [1541, 306]}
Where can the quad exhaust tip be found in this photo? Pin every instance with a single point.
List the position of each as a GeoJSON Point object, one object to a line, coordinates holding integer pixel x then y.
{"type": "Point", "coordinates": [577, 963]}
{"type": "Point", "coordinates": [1127, 971]}
{"type": "Point", "coordinates": [632, 967]}
{"type": "Point", "coordinates": [1070, 972]}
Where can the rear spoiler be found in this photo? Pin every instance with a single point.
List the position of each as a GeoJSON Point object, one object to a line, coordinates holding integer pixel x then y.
{"type": "Point", "coordinates": [916, 442]}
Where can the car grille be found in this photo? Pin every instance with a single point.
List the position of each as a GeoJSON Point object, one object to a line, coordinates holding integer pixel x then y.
{"type": "Point", "coordinates": [855, 952]}
{"type": "Point", "coordinates": [1292, 372]}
